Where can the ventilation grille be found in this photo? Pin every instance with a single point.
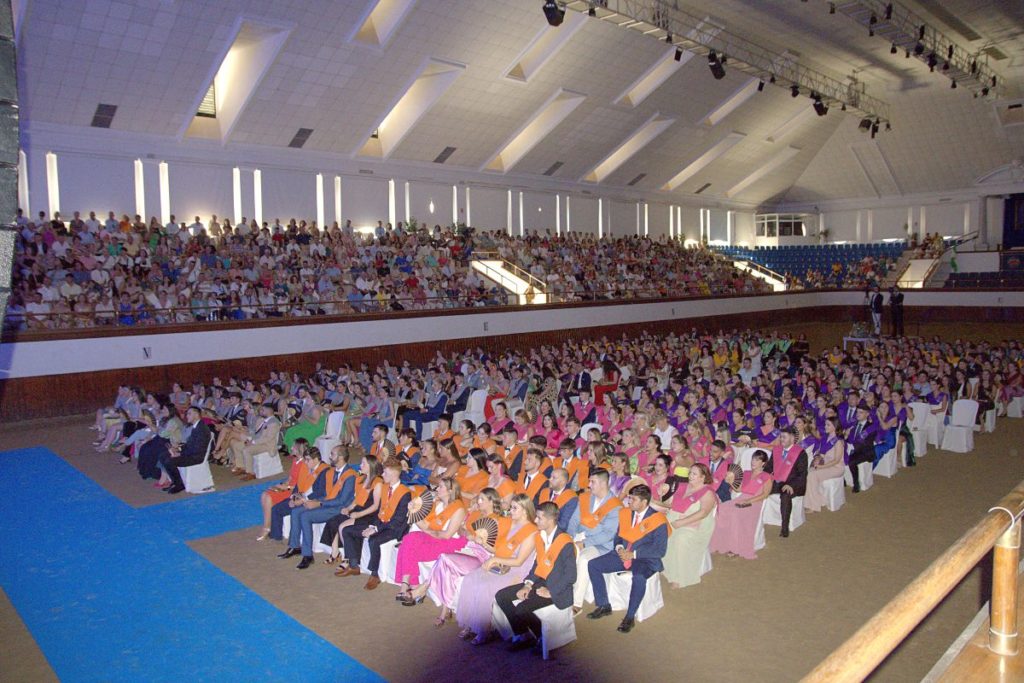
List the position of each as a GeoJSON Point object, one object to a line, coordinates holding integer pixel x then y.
{"type": "Point", "coordinates": [554, 168]}
{"type": "Point", "coordinates": [365, 171]}
{"type": "Point", "coordinates": [443, 156]}
{"type": "Point", "coordinates": [208, 107]}
{"type": "Point", "coordinates": [104, 115]}
{"type": "Point", "coordinates": [702, 188]}
{"type": "Point", "coordinates": [636, 180]}
{"type": "Point", "coordinates": [995, 53]}
{"type": "Point", "coordinates": [300, 138]}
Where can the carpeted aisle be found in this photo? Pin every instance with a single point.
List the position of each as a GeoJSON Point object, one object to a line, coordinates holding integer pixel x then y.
{"type": "Point", "coordinates": [104, 587]}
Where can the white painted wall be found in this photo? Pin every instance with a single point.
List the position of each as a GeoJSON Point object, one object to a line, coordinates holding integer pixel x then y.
{"type": "Point", "coordinates": [539, 211]}
{"type": "Point", "coordinates": [584, 215]}
{"type": "Point", "coordinates": [30, 359]}
{"type": "Point", "coordinates": [199, 190]}
{"type": "Point", "coordinates": [420, 196]}
{"type": "Point", "coordinates": [622, 216]}
{"type": "Point", "coordinates": [657, 220]}
{"type": "Point", "coordinates": [718, 225]}
{"type": "Point", "coordinates": [691, 222]}
{"type": "Point", "coordinates": [364, 200]}
{"type": "Point", "coordinates": [978, 261]}
{"type": "Point", "coordinates": [743, 228]}
{"type": "Point", "coordinates": [99, 184]}
{"type": "Point", "coordinates": [291, 194]}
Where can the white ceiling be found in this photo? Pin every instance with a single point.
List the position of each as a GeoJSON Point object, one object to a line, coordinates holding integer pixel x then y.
{"type": "Point", "coordinates": [152, 58]}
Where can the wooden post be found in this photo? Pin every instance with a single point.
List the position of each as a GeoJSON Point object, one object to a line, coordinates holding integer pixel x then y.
{"type": "Point", "coordinates": [1002, 636]}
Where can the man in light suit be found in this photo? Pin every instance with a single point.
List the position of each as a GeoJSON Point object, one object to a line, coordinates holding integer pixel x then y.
{"type": "Point", "coordinates": [192, 452]}
{"type": "Point", "coordinates": [549, 582]}
{"type": "Point", "coordinates": [640, 545]}
{"type": "Point", "coordinates": [263, 439]}
{"type": "Point", "coordinates": [592, 526]}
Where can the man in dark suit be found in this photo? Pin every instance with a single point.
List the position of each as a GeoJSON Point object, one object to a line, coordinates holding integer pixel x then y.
{"type": "Point", "coordinates": [640, 545]}
{"type": "Point", "coordinates": [789, 469]}
{"type": "Point", "coordinates": [549, 582]}
{"type": "Point", "coordinates": [860, 443]}
{"type": "Point", "coordinates": [389, 524]}
{"type": "Point", "coordinates": [459, 395]}
{"type": "Point", "coordinates": [192, 452]}
{"type": "Point", "coordinates": [576, 382]}
{"type": "Point", "coordinates": [875, 304]}
{"type": "Point", "coordinates": [896, 309]}
{"type": "Point", "coordinates": [435, 404]}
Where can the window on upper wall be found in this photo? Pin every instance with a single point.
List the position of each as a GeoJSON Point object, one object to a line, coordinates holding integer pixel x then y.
{"type": "Point", "coordinates": [208, 107]}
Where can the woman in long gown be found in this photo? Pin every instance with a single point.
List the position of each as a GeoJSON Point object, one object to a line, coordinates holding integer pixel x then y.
{"type": "Point", "coordinates": [512, 560]}
{"type": "Point", "coordinates": [434, 535]}
{"type": "Point", "coordinates": [693, 522]}
{"type": "Point", "coordinates": [827, 464]}
{"type": "Point", "coordinates": [736, 521]}
{"type": "Point", "coordinates": [446, 576]}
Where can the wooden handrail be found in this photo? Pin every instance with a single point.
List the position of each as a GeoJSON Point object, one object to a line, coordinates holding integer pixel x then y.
{"type": "Point", "coordinates": [855, 659]}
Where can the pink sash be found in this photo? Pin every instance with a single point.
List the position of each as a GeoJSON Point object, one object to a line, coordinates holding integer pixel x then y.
{"type": "Point", "coordinates": [784, 464]}
{"type": "Point", "coordinates": [682, 503]}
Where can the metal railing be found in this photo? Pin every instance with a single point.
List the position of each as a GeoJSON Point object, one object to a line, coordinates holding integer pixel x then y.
{"type": "Point", "coordinates": [855, 659]}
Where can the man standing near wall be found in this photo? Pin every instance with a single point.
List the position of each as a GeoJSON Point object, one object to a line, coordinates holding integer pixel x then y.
{"type": "Point", "coordinates": [875, 304]}
{"type": "Point", "coordinates": [896, 310]}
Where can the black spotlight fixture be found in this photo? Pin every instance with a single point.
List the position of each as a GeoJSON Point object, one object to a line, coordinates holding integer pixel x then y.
{"type": "Point", "coordinates": [949, 52]}
{"type": "Point", "coordinates": [932, 61]}
{"type": "Point", "coordinates": [919, 49]}
{"type": "Point", "coordinates": [679, 54]}
{"type": "Point", "coordinates": [888, 126]}
{"type": "Point", "coordinates": [952, 85]}
{"type": "Point", "coordinates": [592, 11]}
{"type": "Point", "coordinates": [794, 90]}
{"type": "Point", "coordinates": [820, 108]}
{"type": "Point", "coordinates": [945, 67]}
{"type": "Point", "coordinates": [871, 25]}
{"type": "Point", "coordinates": [920, 32]}
{"type": "Point", "coordinates": [772, 79]}
{"type": "Point", "coordinates": [907, 55]}
{"type": "Point", "coordinates": [668, 38]}
{"type": "Point", "coordinates": [717, 70]}
{"type": "Point", "coordinates": [760, 86]}
{"type": "Point", "coordinates": [984, 92]}
{"type": "Point", "coordinates": [888, 12]}
{"type": "Point", "coordinates": [993, 81]}
{"type": "Point", "coordinates": [843, 108]}
{"type": "Point", "coordinates": [554, 14]}
{"type": "Point", "coordinates": [865, 124]}
{"type": "Point", "coordinates": [831, 8]}
{"type": "Point", "coordinates": [974, 66]}
{"type": "Point", "coordinates": [893, 50]}
{"type": "Point", "coordinates": [874, 130]}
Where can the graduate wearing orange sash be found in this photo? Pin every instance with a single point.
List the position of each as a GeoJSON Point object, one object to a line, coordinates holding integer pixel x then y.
{"type": "Point", "coordinates": [640, 545]}
{"type": "Point", "coordinates": [437, 533]}
{"type": "Point", "coordinates": [333, 490]}
{"type": "Point", "coordinates": [549, 582]}
{"type": "Point", "coordinates": [389, 524]}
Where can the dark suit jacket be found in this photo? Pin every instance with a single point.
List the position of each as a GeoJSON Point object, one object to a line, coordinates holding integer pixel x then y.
{"type": "Point", "coordinates": [399, 523]}
{"type": "Point", "coordinates": [798, 475]}
{"type": "Point", "coordinates": [561, 578]}
{"type": "Point", "coordinates": [458, 401]}
{"type": "Point", "coordinates": [654, 545]}
{"type": "Point", "coordinates": [194, 449]}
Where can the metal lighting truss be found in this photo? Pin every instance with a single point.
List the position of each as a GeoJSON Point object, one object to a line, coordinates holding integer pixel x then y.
{"type": "Point", "coordinates": [663, 19]}
{"type": "Point", "coordinates": [903, 29]}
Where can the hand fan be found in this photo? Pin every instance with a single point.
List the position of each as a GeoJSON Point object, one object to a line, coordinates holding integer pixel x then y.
{"type": "Point", "coordinates": [737, 473]}
{"type": "Point", "coordinates": [420, 507]}
{"type": "Point", "coordinates": [489, 526]}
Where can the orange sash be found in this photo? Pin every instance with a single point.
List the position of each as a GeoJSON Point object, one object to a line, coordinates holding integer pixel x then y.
{"type": "Point", "coordinates": [443, 436]}
{"type": "Point", "coordinates": [363, 492]}
{"type": "Point", "coordinates": [437, 522]}
{"type": "Point", "coordinates": [592, 519]}
{"type": "Point", "coordinates": [471, 484]}
{"type": "Point", "coordinates": [631, 534]}
{"type": "Point", "coordinates": [510, 456]}
{"type": "Point", "coordinates": [535, 485]}
{"type": "Point", "coordinates": [546, 555]}
{"type": "Point", "coordinates": [390, 502]}
{"type": "Point", "coordinates": [507, 545]}
{"type": "Point", "coordinates": [489, 445]}
{"type": "Point", "coordinates": [306, 478]}
{"type": "Point", "coordinates": [578, 467]}
{"type": "Point", "coordinates": [561, 499]}
{"type": "Point", "coordinates": [545, 463]}
{"type": "Point", "coordinates": [334, 489]}
{"type": "Point", "coordinates": [506, 488]}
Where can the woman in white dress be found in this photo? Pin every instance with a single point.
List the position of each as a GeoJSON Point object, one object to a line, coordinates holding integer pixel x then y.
{"type": "Point", "coordinates": [693, 521]}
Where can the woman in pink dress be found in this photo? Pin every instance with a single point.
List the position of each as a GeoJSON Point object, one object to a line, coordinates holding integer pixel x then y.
{"type": "Point", "coordinates": [550, 431]}
{"type": "Point", "coordinates": [736, 523]}
{"type": "Point", "coordinates": [511, 562]}
{"type": "Point", "coordinates": [827, 464]}
{"type": "Point", "coordinates": [500, 418]}
{"type": "Point", "coordinates": [449, 570]}
{"type": "Point", "coordinates": [436, 534]}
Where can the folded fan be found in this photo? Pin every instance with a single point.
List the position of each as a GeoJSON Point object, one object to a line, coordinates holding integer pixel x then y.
{"type": "Point", "coordinates": [737, 473]}
{"type": "Point", "coordinates": [488, 525]}
{"type": "Point", "coordinates": [420, 507]}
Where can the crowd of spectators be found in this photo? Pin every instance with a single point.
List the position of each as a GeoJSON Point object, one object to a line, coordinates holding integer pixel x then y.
{"type": "Point", "coordinates": [652, 423]}
{"type": "Point", "coordinates": [92, 272]}
{"type": "Point", "coordinates": [866, 273]}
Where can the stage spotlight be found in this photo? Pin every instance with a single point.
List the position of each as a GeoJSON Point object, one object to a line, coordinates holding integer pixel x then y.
{"type": "Point", "coordinates": [865, 124]}
{"type": "Point", "coordinates": [893, 50]}
{"type": "Point", "coordinates": [717, 70]}
{"type": "Point", "coordinates": [871, 25]}
{"type": "Point", "coordinates": [953, 85]}
{"type": "Point", "coordinates": [843, 107]}
{"type": "Point", "coordinates": [874, 129]}
{"type": "Point", "coordinates": [949, 52]}
{"type": "Point", "coordinates": [679, 54]}
{"type": "Point", "coordinates": [974, 66]}
{"type": "Point", "coordinates": [794, 90]}
{"type": "Point", "coordinates": [932, 61]}
{"type": "Point", "coordinates": [592, 11]}
{"type": "Point", "coordinates": [888, 12]}
{"type": "Point", "coordinates": [920, 32]}
{"type": "Point", "coordinates": [919, 49]}
{"type": "Point", "coordinates": [831, 8]}
{"type": "Point", "coordinates": [984, 92]}
{"type": "Point", "coordinates": [945, 67]}
{"type": "Point", "coordinates": [820, 108]}
{"type": "Point", "coordinates": [993, 81]}
{"type": "Point", "coordinates": [772, 79]}
{"type": "Point", "coordinates": [760, 86]}
{"type": "Point", "coordinates": [554, 14]}
{"type": "Point", "coordinates": [668, 38]}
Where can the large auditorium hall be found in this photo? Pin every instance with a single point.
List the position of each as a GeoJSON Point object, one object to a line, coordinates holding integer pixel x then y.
{"type": "Point", "coordinates": [534, 340]}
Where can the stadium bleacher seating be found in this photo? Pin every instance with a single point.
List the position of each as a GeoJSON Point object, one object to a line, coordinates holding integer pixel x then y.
{"type": "Point", "coordinates": [797, 260]}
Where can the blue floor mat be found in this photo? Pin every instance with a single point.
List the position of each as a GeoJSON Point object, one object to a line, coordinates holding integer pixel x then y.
{"type": "Point", "coordinates": [113, 593]}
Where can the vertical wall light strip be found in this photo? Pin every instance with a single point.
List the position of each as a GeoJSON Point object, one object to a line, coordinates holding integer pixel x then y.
{"type": "Point", "coordinates": [568, 213]}
{"type": "Point", "coordinates": [23, 182]}
{"type": "Point", "coordinates": [728, 228]}
{"type": "Point", "coordinates": [608, 219]}
{"type": "Point", "coordinates": [140, 189]}
{"type": "Point", "coordinates": [320, 199]}
{"type": "Point", "coordinates": [522, 228]}
{"type": "Point", "coordinates": [671, 222]}
{"type": "Point", "coordinates": [638, 219]}
{"type": "Point", "coordinates": [679, 222]}
{"type": "Point", "coordinates": [508, 212]}
{"type": "Point", "coordinates": [408, 202]}
{"type": "Point", "coordinates": [392, 208]}
{"type": "Point", "coordinates": [558, 215]}
{"type": "Point", "coordinates": [257, 197]}
{"type": "Point", "coordinates": [455, 205]}
{"type": "Point", "coordinates": [165, 192]}
{"type": "Point", "coordinates": [337, 200]}
{"type": "Point", "coordinates": [700, 238]}
{"type": "Point", "coordinates": [469, 219]}
{"type": "Point", "coordinates": [236, 193]}
{"type": "Point", "coordinates": [52, 183]}
{"type": "Point", "coordinates": [600, 218]}
{"type": "Point", "coordinates": [647, 223]}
